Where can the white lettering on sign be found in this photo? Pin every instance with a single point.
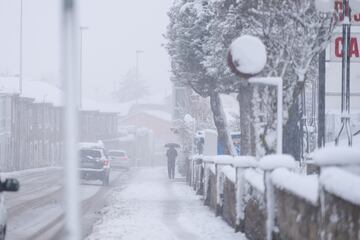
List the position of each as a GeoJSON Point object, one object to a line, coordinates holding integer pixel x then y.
{"type": "Point", "coordinates": [337, 44]}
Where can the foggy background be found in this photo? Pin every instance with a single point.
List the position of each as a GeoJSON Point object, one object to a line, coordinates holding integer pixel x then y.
{"type": "Point", "coordinates": [116, 29]}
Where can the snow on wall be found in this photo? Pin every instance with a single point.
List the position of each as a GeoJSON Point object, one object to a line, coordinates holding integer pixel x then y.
{"type": "Point", "coordinates": [341, 183]}
{"type": "Point", "coordinates": [274, 161]}
{"type": "Point", "coordinates": [303, 186]}
{"type": "Point", "coordinates": [336, 156]}
{"type": "Point", "coordinates": [229, 172]}
{"type": "Point", "coordinates": [255, 179]}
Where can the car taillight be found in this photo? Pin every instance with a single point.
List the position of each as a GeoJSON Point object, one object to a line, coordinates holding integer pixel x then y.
{"type": "Point", "coordinates": [124, 158]}
{"type": "Point", "coordinates": [106, 162]}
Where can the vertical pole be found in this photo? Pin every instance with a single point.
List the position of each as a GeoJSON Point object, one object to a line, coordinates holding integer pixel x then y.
{"type": "Point", "coordinates": [137, 74]}
{"type": "Point", "coordinates": [279, 117]}
{"type": "Point", "coordinates": [345, 81]}
{"type": "Point", "coordinates": [21, 49]}
{"type": "Point", "coordinates": [70, 69]}
{"type": "Point", "coordinates": [347, 90]}
{"type": "Point", "coordinates": [80, 70]}
{"type": "Point", "coordinates": [321, 100]}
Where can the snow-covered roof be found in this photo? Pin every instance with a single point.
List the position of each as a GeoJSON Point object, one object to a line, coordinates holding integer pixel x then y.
{"type": "Point", "coordinates": [41, 92]}
{"type": "Point", "coordinates": [159, 114]}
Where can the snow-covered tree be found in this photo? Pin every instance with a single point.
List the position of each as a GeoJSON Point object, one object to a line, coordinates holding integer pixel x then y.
{"type": "Point", "coordinates": [294, 34]}
{"type": "Point", "coordinates": [187, 33]}
{"type": "Point", "coordinates": [131, 88]}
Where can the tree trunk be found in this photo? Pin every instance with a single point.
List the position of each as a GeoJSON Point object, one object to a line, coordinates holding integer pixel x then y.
{"type": "Point", "coordinates": [292, 133]}
{"type": "Point", "coordinates": [247, 140]}
{"type": "Point", "coordinates": [221, 124]}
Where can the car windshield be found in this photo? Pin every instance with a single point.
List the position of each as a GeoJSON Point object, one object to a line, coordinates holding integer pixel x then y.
{"type": "Point", "coordinates": [117, 154]}
{"type": "Point", "coordinates": [85, 153]}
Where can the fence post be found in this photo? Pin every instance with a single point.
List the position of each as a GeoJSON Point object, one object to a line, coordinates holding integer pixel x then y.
{"type": "Point", "coordinates": [240, 164]}
{"type": "Point", "coordinates": [268, 164]}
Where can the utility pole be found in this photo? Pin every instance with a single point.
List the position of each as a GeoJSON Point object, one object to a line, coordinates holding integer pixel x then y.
{"type": "Point", "coordinates": [321, 100]}
{"type": "Point", "coordinates": [82, 28]}
{"type": "Point", "coordinates": [138, 52]}
{"type": "Point", "coordinates": [21, 49]}
{"type": "Point", "coordinates": [70, 67]}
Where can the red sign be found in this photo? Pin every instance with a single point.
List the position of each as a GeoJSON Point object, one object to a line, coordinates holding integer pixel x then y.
{"type": "Point", "coordinates": [354, 18]}
{"type": "Point", "coordinates": [336, 48]}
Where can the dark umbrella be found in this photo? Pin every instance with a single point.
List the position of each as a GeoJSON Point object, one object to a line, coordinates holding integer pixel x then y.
{"type": "Point", "coordinates": [174, 145]}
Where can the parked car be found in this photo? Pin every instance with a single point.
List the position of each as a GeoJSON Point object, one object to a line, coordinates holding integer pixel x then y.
{"type": "Point", "coordinates": [119, 159]}
{"type": "Point", "coordinates": [9, 185]}
{"type": "Point", "coordinates": [94, 163]}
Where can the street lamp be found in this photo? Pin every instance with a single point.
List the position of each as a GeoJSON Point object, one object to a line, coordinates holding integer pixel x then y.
{"type": "Point", "coordinates": [82, 28]}
{"type": "Point", "coordinates": [247, 63]}
{"type": "Point", "coordinates": [138, 52]}
{"type": "Point", "coordinates": [70, 66]}
{"type": "Point", "coordinates": [21, 48]}
{"type": "Point", "coordinates": [347, 6]}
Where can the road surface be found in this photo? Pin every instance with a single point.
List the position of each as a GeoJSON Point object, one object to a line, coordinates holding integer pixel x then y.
{"type": "Point", "coordinates": [36, 211]}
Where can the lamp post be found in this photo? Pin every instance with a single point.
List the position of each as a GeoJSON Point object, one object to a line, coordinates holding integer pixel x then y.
{"type": "Point", "coordinates": [21, 48]}
{"type": "Point", "coordinates": [70, 66]}
{"type": "Point", "coordinates": [138, 52]}
{"type": "Point", "coordinates": [247, 64]}
{"type": "Point", "coordinates": [347, 6]}
{"type": "Point", "coordinates": [82, 28]}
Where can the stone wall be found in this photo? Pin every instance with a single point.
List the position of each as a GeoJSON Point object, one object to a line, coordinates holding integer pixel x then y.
{"type": "Point", "coordinates": [295, 218]}
{"type": "Point", "coordinates": [342, 218]}
{"type": "Point", "coordinates": [210, 199]}
{"type": "Point", "coordinates": [229, 203]}
{"type": "Point", "coordinates": [296, 215]}
{"type": "Point", "coordinates": [255, 214]}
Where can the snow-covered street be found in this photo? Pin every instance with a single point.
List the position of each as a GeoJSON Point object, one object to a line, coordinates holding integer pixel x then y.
{"type": "Point", "coordinates": [154, 207]}
{"type": "Point", "coordinates": [37, 211]}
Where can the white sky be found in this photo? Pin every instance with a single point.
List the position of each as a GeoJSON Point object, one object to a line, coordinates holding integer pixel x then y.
{"type": "Point", "coordinates": [117, 28]}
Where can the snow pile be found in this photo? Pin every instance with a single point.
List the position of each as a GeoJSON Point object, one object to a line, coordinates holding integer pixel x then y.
{"type": "Point", "coordinates": [248, 54]}
{"type": "Point", "coordinates": [220, 159]}
{"type": "Point", "coordinates": [245, 162]}
{"type": "Point", "coordinates": [267, 80]}
{"type": "Point", "coordinates": [274, 161]}
{"type": "Point", "coordinates": [229, 172]}
{"type": "Point", "coordinates": [19, 173]}
{"type": "Point", "coordinates": [255, 179]}
{"type": "Point", "coordinates": [336, 156]}
{"type": "Point", "coordinates": [211, 167]}
{"type": "Point", "coordinates": [303, 186]}
{"type": "Point", "coordinates": [341, 183]}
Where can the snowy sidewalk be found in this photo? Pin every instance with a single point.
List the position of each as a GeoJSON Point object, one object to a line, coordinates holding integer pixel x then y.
{"type": "Point", "coordinates": [154, 207]}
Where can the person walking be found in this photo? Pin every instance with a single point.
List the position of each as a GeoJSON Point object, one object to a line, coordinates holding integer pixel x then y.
{"type": "Point", "coordinates": [171, 154]}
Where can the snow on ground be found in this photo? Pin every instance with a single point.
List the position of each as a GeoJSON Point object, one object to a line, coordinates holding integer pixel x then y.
{"type": "Point", "coordinates": [153, 207]}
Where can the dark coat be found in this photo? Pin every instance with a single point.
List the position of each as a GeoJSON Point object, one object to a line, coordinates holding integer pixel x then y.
{"type": "Point", "coordinates": [171, 154]}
